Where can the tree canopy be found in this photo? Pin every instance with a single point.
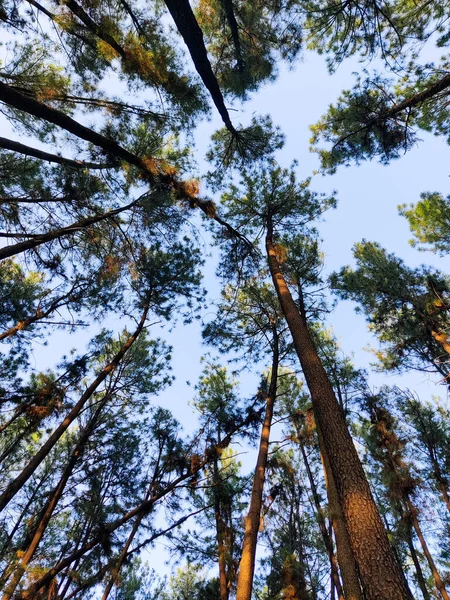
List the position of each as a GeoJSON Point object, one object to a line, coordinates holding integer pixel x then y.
{"type": "Point", "coordinates": [133, 243]}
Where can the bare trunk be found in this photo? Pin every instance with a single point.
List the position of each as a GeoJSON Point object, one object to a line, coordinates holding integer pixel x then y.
{"type": "Point", "coordinates": [38, 239]}
{"type": "Point", "coordinates": [253, 518]}
{"type": "Point", "coordinates": [220, 533]}
{"type": "Point", "coordinates": [192, 35]}
{"type": "Point", "coordinates": [52, 158]}
{"type": "Point", "coordinates": [380, 573]}
{"type": "Point", "coordinates": [418, 568]}
{"type": "Point", "coordinates": [346, 560]}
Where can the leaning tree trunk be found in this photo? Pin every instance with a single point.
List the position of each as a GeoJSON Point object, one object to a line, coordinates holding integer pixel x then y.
{"type": "Point", "coordinates": [192, 35]}
{"type": "Point", "coordinates": [345, 557]}
{"type": "Point", "coordinates": [380, 573]}
{"type": "Point", "coordinates": [420, 577]}
{"type": "Point", "coordinates": [252, 520]}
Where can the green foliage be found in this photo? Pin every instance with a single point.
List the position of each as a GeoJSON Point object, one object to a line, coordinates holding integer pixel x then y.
{"type": "Point", "coordinates": [406, 308]}
{"type": "Point", "coordinates": [429, 221]}
{"type": "Point", "coordinates": [246, 39]}
{"type": "Point", "coordinates": [18, 292]}
{"type": "Point", "coordinates": [253, 145]}
{"type": "Point", "coordinates": [189, 584]}
{"type": "Point", "coordinates": [380, 118]}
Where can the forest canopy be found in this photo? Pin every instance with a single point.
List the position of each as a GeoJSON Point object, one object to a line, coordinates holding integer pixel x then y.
{"type": "Point", "coordinates": [155, 220]}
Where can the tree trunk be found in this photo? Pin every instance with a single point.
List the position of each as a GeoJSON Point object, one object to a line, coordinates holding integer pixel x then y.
{"type": "Point", "coordinates": [38, 239]}
{"type": "Point", "coordinates": [192, 35]}
{"type": "Point", "coordinates": [122, 557]}
{"type": "Point", "coordinates": [141, 509]}
{"type": "Point", "coordinates": [234, 28]}
{"type": "Point", "coordinates": [418, 568]}
{"type": "Point", "coordinates": [220, 532]}
{"type": "Point", "coordinates": [346, 560]}
{"type": "Point", "coordinates": [380, 573]}
{"type": "Point", "coordinates": [441, 338]}
{"type": "Point", "coordinates": [52, 158]}
{"type": "Point", "coordinates": [46, 513]}
{"type": "Point", "coordinates": [253, 518]}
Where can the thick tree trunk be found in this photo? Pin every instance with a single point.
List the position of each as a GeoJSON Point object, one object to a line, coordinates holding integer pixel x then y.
{"type": "Point", "coordinates": [253, 518]}
{"type": "Point", "coordinates": [380, 573]}
{"type": "Point", "coordinates": [346, 560]}
{"type": "Point", "coordinates": [15, 485]}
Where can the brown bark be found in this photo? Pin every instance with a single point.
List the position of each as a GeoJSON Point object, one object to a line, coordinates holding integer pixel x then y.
{"type": "Point", "coordinates": [38, 316]}
{"type": "Point", "coordinates": [380, 573]}
{"type": "Point", "coordinates": [148, 166]}
{"type": "Point", "coordinates": [15, 485]}
{"type": "Point", "coordinates": [253, 518]}
{"type": "Point", "coordinates": [53, 158]}
{"type": "Point", "coordinates": [327, 540]}
{"type": "Point", "coordinates": [441, 338]}
{"type": "Point", "coordinates": [11, 96]}
{"type": "Point", "coordinates": [220, 536]}
{"type": "Point", "coordinates": [429, 92]}
{"type": "Point", "coordinates": [346, 560]}
{"type": "Point", "coordinates": [406, 105]}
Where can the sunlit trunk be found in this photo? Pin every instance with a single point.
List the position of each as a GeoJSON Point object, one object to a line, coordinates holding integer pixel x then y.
{"type": "Point", "coordinates": [253, 518]}
{"type": "Point", "coordinates": [346, 560]}
{"type": "Point", "coordinates": [380, 573]}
